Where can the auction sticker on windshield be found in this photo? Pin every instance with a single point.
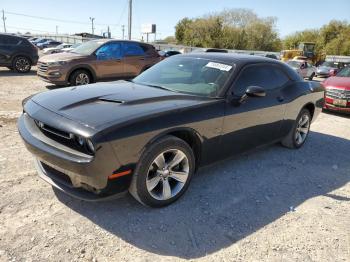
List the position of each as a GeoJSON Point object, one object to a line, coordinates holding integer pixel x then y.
{"type": "Point", "coordinates": [219, 66]}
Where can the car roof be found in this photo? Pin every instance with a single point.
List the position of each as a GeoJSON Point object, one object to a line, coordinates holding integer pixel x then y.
{"type": "Point", "coordinates": [233, 58]}
{"type": "Point", "coordinates": [105, 40]}
{"type": "Point", "coordinates": [241, 60]}
{"type": "Point", "coordinates": [11, 35]}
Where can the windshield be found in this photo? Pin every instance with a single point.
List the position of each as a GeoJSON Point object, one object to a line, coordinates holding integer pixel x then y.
{"type": "Point", "coordinates": [294, 64]}
{"type": "Point", "coordinates": [87, 48]}
{"type": "Point", "coordinates": [345, 72]}
{"type": "Point", "coordinates": [60, 46]}
{"type": "Point", "coordinates": [187, 75]}
{"type": "Point", "coordinates": [329, 64]}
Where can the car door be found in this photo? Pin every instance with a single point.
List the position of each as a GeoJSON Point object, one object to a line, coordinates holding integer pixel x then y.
{"type": "Point", "coordinates": [310, 69]}
{"type": "Point", "coordinates": [255, 121]}
{"type": "Point", "coordinates": [133, 58]}
{"type": "Point", "coordinates": [304, 70]}
{"type": "Point", "coordinates": [3, 50]}
{"type": "Point", "coordinates": [108, 63]}
{"type": "Point", "coordinates": [7, 49]}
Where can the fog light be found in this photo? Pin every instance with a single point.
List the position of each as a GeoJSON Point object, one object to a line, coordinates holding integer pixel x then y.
{"type": "Point", "coordinates": [56, 73]}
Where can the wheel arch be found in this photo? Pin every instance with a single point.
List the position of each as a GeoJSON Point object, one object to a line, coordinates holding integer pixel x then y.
{"type": "Point", "coordinates": [311, 107]}
{"type": "Point", "coordinates": [88, 68]}
{"type": "Point", "coordinates": [20, 54]}
{"type": "Point", "coordinates": [189, 135]}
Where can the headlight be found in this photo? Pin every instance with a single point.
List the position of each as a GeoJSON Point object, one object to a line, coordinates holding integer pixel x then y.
{"type": "Point", "coordinates": [57, 63]}
{"type": "Point", "coordinates": [90, 146]}
{"type": "Point", "coordinates": [84, 143]}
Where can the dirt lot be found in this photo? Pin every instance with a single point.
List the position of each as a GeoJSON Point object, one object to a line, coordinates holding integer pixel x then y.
{"type": "Point", "coordinates": [272, 204]}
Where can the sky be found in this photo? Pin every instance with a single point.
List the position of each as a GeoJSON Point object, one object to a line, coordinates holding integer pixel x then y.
{"type": "Point", "coordinates": [292, 15]}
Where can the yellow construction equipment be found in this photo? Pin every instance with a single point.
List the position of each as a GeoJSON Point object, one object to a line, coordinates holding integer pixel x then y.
{"type": "Point", "coordinates": [306, 50]}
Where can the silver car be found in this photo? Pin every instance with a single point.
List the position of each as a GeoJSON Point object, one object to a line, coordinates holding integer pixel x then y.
{"type": "Point", "coordinates": [325, 68]}
{"type": "Point", "coordinates": [303, 68]}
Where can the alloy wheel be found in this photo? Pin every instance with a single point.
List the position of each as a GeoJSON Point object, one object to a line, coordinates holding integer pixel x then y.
{"type": "Point", "coordinates": [82, 79]}
{"type": "Point", "coordinates": [22, 64]}
{"type": "Point", "coordinates": [302, 129]}
{"type": "Point", "coordinates": [167, 174]}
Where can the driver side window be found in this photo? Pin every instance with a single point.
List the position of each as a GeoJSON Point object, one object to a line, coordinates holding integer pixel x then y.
{"type": "Point", "coordinates": [109, 51]}
{"type": "Point", "coordinates": [265, 76]}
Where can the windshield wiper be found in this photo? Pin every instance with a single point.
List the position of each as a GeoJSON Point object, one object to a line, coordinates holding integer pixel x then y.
{"type": "Point", "coordinates": [160, 87]}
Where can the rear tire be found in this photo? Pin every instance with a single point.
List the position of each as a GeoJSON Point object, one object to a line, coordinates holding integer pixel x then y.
{"type": "Point", "coordinates": [22, 64]}
{"type": "Point", "coordinates": [300, 131]}
{"type": "Point", "coordinates": [159, 179]}
{"type": "Point", "coordinates": [80, 77]}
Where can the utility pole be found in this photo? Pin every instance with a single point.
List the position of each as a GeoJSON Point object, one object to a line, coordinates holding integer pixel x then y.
{"type": "Point", "coordinates": [130, 19]}
{"type": "Point", "coordinates": [123, 31]}
{"type": "Point", "coordinates": [92, 24]}
{"type": "Point", "coordinates": [4, 19]}
{"type": "Point", "coordinates": [108, 32]}
{"type": "Point", "coordinates": [56, 29]}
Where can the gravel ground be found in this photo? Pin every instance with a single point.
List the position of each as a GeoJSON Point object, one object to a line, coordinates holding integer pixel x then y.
{"type": "Point", "coordinates": [271, 204]}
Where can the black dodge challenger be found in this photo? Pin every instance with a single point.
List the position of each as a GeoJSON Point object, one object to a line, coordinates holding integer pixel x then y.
{"type": "Point", "coordinates": [149, 135]}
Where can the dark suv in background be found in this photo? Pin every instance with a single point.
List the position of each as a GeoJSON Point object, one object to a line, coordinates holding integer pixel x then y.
{"type": "Point", "coordinates": [96, 60]}
{"type": "Point", "coordinates": [17, 53]}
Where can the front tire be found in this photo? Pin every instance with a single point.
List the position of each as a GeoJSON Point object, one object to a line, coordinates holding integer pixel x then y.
{"type": "Point", "coordinates": [163, 173]}
{"type": "Point", "coordinates": [299, 133]}
{"type": "Point", "coordinates": [22, 64]}
{"type": "Point", "coordinates": [80, 77]}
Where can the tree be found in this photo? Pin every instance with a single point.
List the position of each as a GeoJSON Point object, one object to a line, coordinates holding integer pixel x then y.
{"type": "Point", "coordinates": [180, 28]}
{"type": "Point", "coordinates": [332, 39]}
{"type": "Point", "coordinates": [170, 40]}
{"type": "Point", "coordinates": [230, 29]}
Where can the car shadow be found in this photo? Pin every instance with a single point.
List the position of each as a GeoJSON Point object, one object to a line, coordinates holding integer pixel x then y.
{"type": "Point", "coordinates": [227, 201]}
{"type": "Point", "coordinates": [15, 73]}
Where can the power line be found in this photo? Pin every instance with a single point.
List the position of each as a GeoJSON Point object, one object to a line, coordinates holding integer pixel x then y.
{"type": "Point", "coordinates": [54, 19]}
{"type": "Point", "coordinates": [29, 29]}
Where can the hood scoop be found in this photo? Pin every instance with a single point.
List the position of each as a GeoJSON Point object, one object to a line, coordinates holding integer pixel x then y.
{"type": "Point", "coordinates": [111, 100]}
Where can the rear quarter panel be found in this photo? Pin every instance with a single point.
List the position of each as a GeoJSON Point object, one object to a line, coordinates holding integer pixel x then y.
{"type": "Point", "coordinates": [298, 96]}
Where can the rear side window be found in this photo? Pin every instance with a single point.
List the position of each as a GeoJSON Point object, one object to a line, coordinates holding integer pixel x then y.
{"type": "Point", "coordinates": [8, 40]}
{"type": "Point", "coordinates": [268, 77]}
{"type": "Point", "coordinates": [133, 49]}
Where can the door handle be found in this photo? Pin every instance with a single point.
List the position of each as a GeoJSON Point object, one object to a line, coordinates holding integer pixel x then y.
{"type": "Point", "coordinates": [142, 58]}
{"type": "Point", "coordinates": [280, 98]}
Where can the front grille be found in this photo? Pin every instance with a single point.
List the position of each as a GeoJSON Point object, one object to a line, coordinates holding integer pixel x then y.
{"type": "Point", "coordinates": [65, 138]}
{"type": "Point", "coordinates": [42, 67]}
{"type": "Point", "coordinates": [53, 130]}
{"type": "Point", "coordinates": [338, 93]}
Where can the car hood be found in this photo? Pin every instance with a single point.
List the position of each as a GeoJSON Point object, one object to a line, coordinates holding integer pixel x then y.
{"type": "Point", "coordinates": [341, 82]}
{"type": "Point", "coordinates": [61, 57]}
{"type": "Point", "coordinates": [324, 68]}
{"type": "Point", "coordinates": [100, 105]}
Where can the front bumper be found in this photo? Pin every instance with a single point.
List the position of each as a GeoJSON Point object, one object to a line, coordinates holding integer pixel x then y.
{"type": "Point", "coordinates": [56, 75]}
{"type": "Point", "coordinates": [66, 187]}
{"type": "Point", "coordinates": [69, 170]}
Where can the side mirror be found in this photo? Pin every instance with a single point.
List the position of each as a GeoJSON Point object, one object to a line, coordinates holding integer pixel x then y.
{"type": "Point", "coordinates": [101, 55]}
{"type": "Point", "coordinates": [255, 91]}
